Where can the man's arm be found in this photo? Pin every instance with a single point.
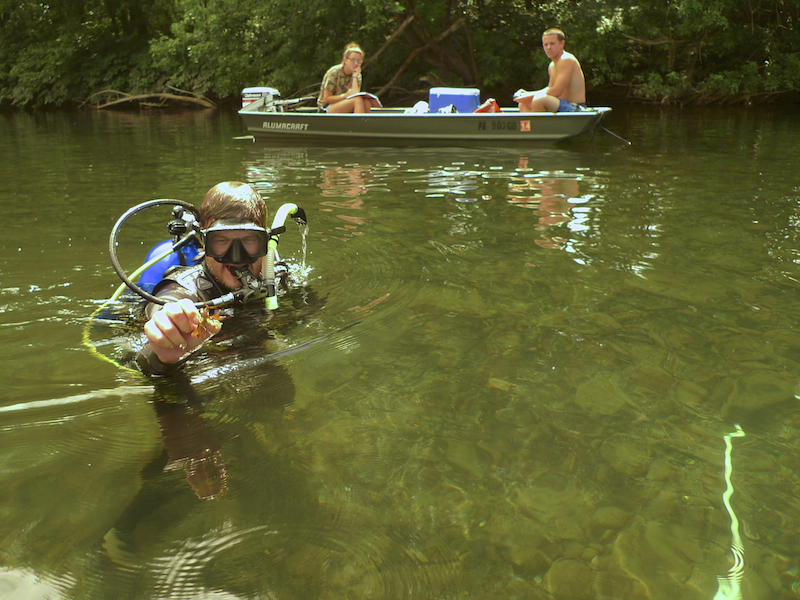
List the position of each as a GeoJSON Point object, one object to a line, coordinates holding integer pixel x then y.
{"type": "Point", "coordinates": [173, 332]}
{"type": "Point", "coordinates": [560, 76]}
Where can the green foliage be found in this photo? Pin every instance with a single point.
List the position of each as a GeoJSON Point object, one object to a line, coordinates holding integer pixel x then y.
{"type": "Point", "coordinates": [677, 51]}
{"type": "Point", "coordinates": [54, 54]}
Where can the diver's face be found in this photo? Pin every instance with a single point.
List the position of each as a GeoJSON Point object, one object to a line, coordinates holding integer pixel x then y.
{"type": "Point", "coordinates": [223, 272]}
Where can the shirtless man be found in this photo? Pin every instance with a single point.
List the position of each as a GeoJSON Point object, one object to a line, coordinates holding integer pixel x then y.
{"type": "Point", "coordinates": [566, 91]}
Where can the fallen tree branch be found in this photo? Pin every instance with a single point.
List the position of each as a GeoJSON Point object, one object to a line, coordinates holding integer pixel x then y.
{"type": "Point", "coordinates": [123, 97]}
{"type": "Point", "coordinates": [172, 87]}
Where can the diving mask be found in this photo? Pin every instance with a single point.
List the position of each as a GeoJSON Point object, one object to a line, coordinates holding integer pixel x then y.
{"type": "Point", "coordinates": [235, 241]}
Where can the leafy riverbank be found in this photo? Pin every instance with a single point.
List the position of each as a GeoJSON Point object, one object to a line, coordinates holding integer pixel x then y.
{"type": "Point", "coordinates": [680, 52]}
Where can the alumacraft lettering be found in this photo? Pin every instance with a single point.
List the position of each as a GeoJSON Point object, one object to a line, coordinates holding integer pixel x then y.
{"type": "Point", "coordinates": [285, 126]}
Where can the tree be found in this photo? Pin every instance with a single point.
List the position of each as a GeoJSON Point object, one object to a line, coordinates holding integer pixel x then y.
{"type": "Point", "coordinates": [677, 51]}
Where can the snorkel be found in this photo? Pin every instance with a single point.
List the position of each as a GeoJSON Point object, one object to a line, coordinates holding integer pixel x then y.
{"type": "Point", "coordinates": [268, 266]}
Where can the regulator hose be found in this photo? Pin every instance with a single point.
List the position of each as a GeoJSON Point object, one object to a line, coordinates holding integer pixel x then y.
{"type": "Point", "coordinates": [183, 240]}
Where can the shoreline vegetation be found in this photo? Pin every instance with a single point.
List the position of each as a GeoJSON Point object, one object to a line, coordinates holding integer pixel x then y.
{"type": "Point", "coordinates": [157, 53]}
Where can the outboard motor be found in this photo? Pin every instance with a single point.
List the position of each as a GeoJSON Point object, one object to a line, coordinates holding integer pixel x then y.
{"type": "Point", "coordinates": [269, 95]}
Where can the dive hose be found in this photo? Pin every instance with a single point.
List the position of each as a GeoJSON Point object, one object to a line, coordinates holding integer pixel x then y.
{"type": "Point", "coordinates": [183, 228]}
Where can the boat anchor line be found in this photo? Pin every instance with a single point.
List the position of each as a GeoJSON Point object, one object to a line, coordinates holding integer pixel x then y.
{"type": "Point", "coordinates": [611, 133]}
{"type": "Point", "coordinates": [599, 125]}
{"type": "Point", "coordinates": [730, 584]}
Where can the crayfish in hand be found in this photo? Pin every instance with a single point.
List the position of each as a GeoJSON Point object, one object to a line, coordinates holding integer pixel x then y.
{"type": "Point", "coordinates": [208, 316]}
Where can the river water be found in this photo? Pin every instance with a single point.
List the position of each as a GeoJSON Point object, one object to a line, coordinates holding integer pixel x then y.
{"type": "Point", "coordinates": [553, 372]}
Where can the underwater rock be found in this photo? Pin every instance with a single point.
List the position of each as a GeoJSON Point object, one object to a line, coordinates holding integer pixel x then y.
{"type": "Point", "coordinates": [570, 580]}
{"type": "Point", "coordinates": [561, 514]}
{"type": "Point", "coordinates": [465, 456]}
{"type": "Point", "coordinates": [610, 517]}
{"type": "Point", "coordinates": [527, 559]}
{"type": "Point", "coordinates": [599, 395]}
{"type": "Point", "coordinates": [658, 559]}
{"type": "Point", "coordinates": [626, 454]}
{"type": "Point", "coordinates": [516, 415]}
{"type": "Point", "coordinates": [648, 375]}
{"type": "Point", "coordinates": [500, 384]}
{"type": "Point", "coordinates": [660, 470]}
{"type": "Point", "coordinates": [760, 389]}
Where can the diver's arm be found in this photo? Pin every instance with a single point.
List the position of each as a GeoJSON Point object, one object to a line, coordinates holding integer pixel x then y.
{"type": "Point", "coordinates": [175, 331]}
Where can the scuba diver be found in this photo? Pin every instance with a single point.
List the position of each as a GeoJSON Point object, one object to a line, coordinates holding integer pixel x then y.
{"type": "Point", "coordinates": [233, 219]}
{"type": "Point", "coordinates": [222, 256]}
{"type": "Point", "coordinates": [239, 268]}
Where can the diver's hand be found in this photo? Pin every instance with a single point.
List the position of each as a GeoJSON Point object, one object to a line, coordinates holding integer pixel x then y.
{"type": "Point", "coordinates": [170, 330]}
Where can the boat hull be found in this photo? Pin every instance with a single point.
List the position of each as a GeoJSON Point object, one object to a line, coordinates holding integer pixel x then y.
{"type": "Point", "coordinates": [393, 126]}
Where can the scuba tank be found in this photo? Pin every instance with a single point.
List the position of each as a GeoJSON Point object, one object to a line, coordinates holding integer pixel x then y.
{"type": "Point", "coordinates": [182, 257]}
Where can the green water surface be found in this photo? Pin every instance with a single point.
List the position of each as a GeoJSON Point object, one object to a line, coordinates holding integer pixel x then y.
{"type": "Point", "coordinates": [520, 369]}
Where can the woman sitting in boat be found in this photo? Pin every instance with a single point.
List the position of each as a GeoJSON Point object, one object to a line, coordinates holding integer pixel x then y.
{"type": "Point", "coordinates": [341, 87]}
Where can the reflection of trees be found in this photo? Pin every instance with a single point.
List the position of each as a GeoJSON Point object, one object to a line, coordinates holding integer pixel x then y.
{"type": "Point", "coordinates": [548, 196]}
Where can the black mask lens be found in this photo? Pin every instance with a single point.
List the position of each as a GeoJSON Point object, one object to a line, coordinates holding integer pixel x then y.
{"type": "Point", "coordinates": [231, 247]}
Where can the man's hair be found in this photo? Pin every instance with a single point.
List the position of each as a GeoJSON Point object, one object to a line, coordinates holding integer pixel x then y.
{"type": "Point", "coordinates": [231, 199]}
{"type": "Point", "coordinates": [352, 47]}
{"type": "Point", "coordinates": [556, 32]}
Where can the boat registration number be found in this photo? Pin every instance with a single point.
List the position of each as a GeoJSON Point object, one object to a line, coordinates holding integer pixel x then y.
{"type": "Point", "coordinates": [505, 125]}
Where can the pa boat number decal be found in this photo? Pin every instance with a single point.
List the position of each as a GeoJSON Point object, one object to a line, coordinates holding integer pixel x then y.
{"type": "Point", "coordinates": [285, 126]}
{"type": "Point", "coordinates": [507, 125]}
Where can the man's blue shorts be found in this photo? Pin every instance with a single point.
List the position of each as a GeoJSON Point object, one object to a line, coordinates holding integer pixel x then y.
{"type": "Point", "coordinates": [564, 106]}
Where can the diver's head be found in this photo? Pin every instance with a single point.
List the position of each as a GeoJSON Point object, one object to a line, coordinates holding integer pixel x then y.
{"type": "Point", "coordinates": [233, 199]}
{"type": "Point", "coordinates": [234, 218]}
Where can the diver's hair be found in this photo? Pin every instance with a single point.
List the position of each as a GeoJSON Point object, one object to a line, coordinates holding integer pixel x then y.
{"type": "Point", "coordinates": [352, 47]}
{"type": "Point", "coordinates": [556, 32]}
{"type": "Point", "coordinates": [231, 199]}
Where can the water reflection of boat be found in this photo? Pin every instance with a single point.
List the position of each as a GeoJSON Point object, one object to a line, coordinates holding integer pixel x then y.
{"type": "Point", "coordinates": [392, 126]}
